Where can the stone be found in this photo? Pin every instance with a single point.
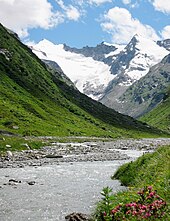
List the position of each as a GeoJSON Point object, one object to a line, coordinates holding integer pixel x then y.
{"type": "Point", "coordinates": [124, 148]}
{"type": "Point", "coordinates": [9, 154]}
{"type": "Point", "coordinates": [77, 217]}
{"type": "Point", "coordinates": [15, 181]}
{"type": "Point", "coordinates": [31, 183]}
{"type": "Point", "coordinates": [7, 145]}
{"type": "Point", "coordinates": [53, 156]}
{"type": "Point", "coordinates": [15, 127]}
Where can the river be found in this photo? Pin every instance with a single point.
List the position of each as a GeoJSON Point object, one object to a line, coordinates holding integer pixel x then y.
{"type": "Point", "coordinates": [59, 188]}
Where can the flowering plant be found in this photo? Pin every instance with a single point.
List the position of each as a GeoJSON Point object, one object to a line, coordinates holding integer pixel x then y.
{"type": "Point", "coordinates": [149, 206]}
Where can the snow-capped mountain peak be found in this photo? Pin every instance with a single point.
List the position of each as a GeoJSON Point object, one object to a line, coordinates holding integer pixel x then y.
{"type": "Point", "coordinates": [90, 76]}
{"type": "Point", "coordinates": [96, 70]}
{"type": "Point", "coordinates": [137, 57]}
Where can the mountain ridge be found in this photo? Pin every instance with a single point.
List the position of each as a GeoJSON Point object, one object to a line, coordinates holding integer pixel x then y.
{"type": "Point", "coordinates": [123, 65]}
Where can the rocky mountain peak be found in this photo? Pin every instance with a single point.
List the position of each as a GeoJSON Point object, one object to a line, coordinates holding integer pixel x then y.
{"type": "Point", "coordinates": [97, 53]}
{"type": "Point", "coordinates": [164, 43]}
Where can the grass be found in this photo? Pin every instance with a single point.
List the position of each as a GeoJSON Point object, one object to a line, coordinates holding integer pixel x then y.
{"type": "Point", "coordinates": [15, 143]}
{"type": "Point", "coordinates": [152, 169]}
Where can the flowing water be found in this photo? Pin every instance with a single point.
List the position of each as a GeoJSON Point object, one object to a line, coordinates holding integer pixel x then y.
{"type": "Point", "coordinates": [58, 190]}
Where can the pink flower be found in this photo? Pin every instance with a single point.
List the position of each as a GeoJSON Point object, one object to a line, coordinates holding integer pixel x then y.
{"type": "Point", "coordinates": [128, 212]}
{"type": "Point", "coordinates": [152, 194]}
{"type": "Point", "coordinates": [134, 213]}
{"type": "Point", "coordinates": [114, 211]}
{"type": "Point", "coordinates": [148, 215]}
{"type": "Point", "coordinates": [134, 204]}
{"type": "Point", "coordinates": [150, 188]}
{"type": "Point", "coordinates": [144, 207]}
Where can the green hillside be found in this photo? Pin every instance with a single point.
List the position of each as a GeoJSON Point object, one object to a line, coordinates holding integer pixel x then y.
{"type": "Point", "coordinates": [34, 101]}
{"type": "Point", "coordinates": [160, 116]}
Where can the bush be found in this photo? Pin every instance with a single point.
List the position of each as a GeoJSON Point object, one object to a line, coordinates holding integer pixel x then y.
{"type": "Point", "coordinates": [148, 206]}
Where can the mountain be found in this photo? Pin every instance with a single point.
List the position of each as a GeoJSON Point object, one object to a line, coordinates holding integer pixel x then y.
{"type": "Point", "coordinates": [90, 77]}
{"type": "Point", "coordinates": [102, 52]}
{"type": "Point", "coordinates": [131, 64]}
{"type": "Point", "coordinates": [106, 71]}
{"type": "Point", "coordinates": [36, 101]}
{"type": "Point", "coordinates": [148, 92]}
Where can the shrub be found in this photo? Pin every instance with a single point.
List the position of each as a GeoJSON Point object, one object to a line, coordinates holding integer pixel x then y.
{"type": "Point", "coordinates": [148, 206]}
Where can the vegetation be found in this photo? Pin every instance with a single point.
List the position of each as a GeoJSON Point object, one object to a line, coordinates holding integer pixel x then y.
{"type": "Point", "coordinates": [160, 116]}
{"type": "Point", "coordinates": [148, 195]}
{"type": "Point", "coordinates": [15, 143]}
{"type": "Point", "coordinates": [34, 101]}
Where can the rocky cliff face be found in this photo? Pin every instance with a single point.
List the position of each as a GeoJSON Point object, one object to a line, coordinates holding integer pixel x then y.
{"type": "Point", "coordinates": [165, 44]}
{"type": "Point", "coordinates": [97, 53]}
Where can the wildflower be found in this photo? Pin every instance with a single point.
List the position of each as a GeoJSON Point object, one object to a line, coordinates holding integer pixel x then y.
{"type": "Point", "coordinates": [134, 213]}
{"type": "Point", "coordinates": [147, 215]}
{"type": "Point", "coordinates": [128, 212]}
{"type": "Point", "coordinates": [144, 207]}
{"type": "Point", "coordinates": [152, 194]}
{"type": "Point", "coordinates": [149, 188]}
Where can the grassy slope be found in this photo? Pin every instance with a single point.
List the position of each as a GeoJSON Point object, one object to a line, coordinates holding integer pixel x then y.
{"type": "Point", "coordinates": [160, 116]}
{"type": "Point", "coordinates": [151, 169]}
{"type": "Point", "coordinates": [38, 103]}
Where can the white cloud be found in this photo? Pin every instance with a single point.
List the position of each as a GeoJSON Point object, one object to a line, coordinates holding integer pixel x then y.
{"type": "Point", "coordinates": [73, 13]}
{"type": "Point", "coordinates": [161, 5]}
{"type": "Point", "coordinates": [23, 14]}
{"type": "Point", "coordinates": [122, 26]}
{"type": "Point", "coordinates": [70, 12]}
{"type": "Point", "coordinates": [126, 2]}
{"type": "Point", "coordinates": [166, 32]}
{"type": "Point", "coordinates": [98, 2]}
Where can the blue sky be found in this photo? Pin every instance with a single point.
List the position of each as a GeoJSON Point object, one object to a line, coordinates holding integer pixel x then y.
{"type": "Point", "coordinates": [86, 22]}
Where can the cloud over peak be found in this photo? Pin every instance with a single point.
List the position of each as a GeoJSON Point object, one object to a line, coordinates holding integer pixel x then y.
{"type": "Point", "coordinates": [161, 5]}
{"type": "Point", "coordinates": [120, 23]}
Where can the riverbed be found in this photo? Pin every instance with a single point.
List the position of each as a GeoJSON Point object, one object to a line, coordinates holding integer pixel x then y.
{"type": "Point", "coordinates": [58, 190]}
{"type": "Point", "coordinates": [55, 189]}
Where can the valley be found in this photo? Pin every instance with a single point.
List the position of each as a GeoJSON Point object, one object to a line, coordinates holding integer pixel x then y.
{"type": "Point", "coordinates": [59, 146]}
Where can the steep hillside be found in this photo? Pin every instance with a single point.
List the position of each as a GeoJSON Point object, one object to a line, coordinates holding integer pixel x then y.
{"type": "Point", "coordinates": [35, 101]}
{"type": "Point", "coordinates": [160, 116]}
